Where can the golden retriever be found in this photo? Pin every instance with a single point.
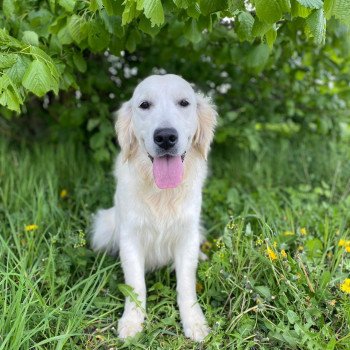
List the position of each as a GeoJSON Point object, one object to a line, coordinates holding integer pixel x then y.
{"type": "Point", "coordinates": [164, 132]}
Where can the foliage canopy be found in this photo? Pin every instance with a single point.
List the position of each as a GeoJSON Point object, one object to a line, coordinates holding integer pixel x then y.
{"type": "Point", "coordinates": [256, 59]}
{"type": "Point", "coordinates": [42, 42]}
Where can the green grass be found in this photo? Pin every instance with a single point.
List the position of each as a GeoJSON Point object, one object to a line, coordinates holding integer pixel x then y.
{"type": "Point", "coordinates": [55, 293]}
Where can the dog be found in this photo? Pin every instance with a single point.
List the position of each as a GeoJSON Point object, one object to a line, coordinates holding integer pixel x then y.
{"type": "Point", "coordinates": [164, 131]}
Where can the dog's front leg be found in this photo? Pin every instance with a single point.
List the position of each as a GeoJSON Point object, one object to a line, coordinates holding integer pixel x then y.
{"type": "Point", "coordinates": [192, 317]}
{"type": "Point", "coordinates": [132, 259]}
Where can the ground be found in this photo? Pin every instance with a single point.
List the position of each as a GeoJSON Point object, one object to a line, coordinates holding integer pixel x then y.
{"type": "Point", "coordinates": [277, 223]}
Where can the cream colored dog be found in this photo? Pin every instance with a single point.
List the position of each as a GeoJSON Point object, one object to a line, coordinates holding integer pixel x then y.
{"type": "Point", "coordinates": [164, 132]}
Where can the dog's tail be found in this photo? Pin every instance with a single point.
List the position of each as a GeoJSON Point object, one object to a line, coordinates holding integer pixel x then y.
{"type": "Point", "coordinates": [104, 231]}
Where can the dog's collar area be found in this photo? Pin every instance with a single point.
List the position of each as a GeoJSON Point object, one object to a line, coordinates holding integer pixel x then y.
{"type": "Point", "coordinates": [182, 156]}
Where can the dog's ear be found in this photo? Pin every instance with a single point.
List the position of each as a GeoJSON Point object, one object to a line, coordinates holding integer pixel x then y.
{"type": "Point", "coordinates": [125, 132]}
{"type": "Point", "coordinates": [206, 125]}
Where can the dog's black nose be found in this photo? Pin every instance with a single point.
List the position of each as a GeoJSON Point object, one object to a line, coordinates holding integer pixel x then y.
{"type": "Point", "coordinates": [165, 138]}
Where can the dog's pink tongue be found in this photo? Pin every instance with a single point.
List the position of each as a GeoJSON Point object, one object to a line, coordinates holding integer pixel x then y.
{"type": "Point", "coordinates": [167, 171]}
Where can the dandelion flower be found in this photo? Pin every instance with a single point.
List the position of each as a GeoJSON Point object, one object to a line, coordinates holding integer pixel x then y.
{"type": "Point", "coordinates": [64, 194]}
{"type": "Point", "coordinates": [347, 249]}
{"type": "Point", "coordinates": [32, 227]}
{"type": "Point", "coordinates": [342, 243]}
{"type": "Point", "coordinates": [345, 286]}
{"type": "Point", "coordinates": [303, 231]}
{"type": "Point", "coordinates": [271, 254]}
{"type": "Point", "coordinates": [283, 253]}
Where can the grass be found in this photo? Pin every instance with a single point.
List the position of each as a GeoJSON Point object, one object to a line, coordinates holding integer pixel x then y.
{"type": "Point", "coordinates": [272, 280]}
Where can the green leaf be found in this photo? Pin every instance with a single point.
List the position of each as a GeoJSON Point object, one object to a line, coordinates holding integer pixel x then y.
{"type": "Point", "coordinates": [313, 248]}
{"type": "Point", "coordinates": [129, 12]}
{"type": "Point", "coordinates": [268, 11]}
{"type": "Point", "coordinates": [93, 5]}
{"type": "Point", "coordinates": [16, 72]}
{"type": "Point", "coordinates": [129, 292]}
{"type": "Point", "coordinates": [153, 10]}
{"type": "Point", "coordinates": [30, 37]}
{"type": "Point", "coordinates": [68, 5]}
{"type": "Point", "coordinates": [64, 36]}
{"type": "Point", "coordinates": [312, 4]}
{"type": "Point", "coordinates": [292, 316]}
{"type": "Point", "coordinates": [78, 28]}
{"type": "Point", "coordinates": [79, 62]}
{"type": "Point", "coordinates": [8, 40]}
{"type": "Point", "coordinates": [182, 4]}
{"type": "Point", "coordinates": [316, 26]}
{"type": "Point", "coordinates": [108, 5]}
{"type": "Point", "coordinates": [9, 94]}
{"type": "Point", "coordinates": [9, 8]}
{"type": "Point", "coordinates": [98, 38]}
{"type": "Point", "coordinates": [234, 5]}
{"type": "Point", "coordinates": [340, 9]}
{"type": "Point", "coordinates": [38, 79]}
{"type": "Point", "coordinates": [192, 32]}
{"type": "Point", "coordinates": [133, 39]}
{"type": "Point", "coordinates": [7, 60]}
{"type": "Point", "coordinates": [324, 280]}
{"type": "Point", "coordinates": [299, 10]}
{"type": "Point", "coordinates": [210, 6]}
{"type": "Point", "coordinates": [258, 57]}
{"type": "Point", "coordinates": [260, 28]}
{"type": "Point", "coordinates": [264, 291]}
{"type": "Point", "coordinates": [112, 23]}
{"type": "Point", "coordinates": [270, 37]}
{"type": "Point", "coordinates": [42, 56]}
{"type": "Point", "coordinates": [245, 26]}
{"type": "Point", "coordinates": [146, 26]}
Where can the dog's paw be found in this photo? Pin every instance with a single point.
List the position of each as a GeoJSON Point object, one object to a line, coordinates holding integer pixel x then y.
{"type": "Point", "coordinates": [196, 331]}
{"type": "Point", "coordinates": [130, 324]}
{"type": "Point", "coordinates": [195, 325]}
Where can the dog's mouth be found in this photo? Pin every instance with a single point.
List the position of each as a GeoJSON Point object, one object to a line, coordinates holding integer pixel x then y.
{"type": "Point", "coordinates": [168, 170]}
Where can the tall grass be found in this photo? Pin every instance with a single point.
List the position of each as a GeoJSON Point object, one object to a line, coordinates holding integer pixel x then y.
{"type": "Point", "coordinates": [55, 293]}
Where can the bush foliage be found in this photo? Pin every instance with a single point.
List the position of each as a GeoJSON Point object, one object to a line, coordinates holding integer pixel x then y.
{"type": "Point", "coordinates": [268, 64]}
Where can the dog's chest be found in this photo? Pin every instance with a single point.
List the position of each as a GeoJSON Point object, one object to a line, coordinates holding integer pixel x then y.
{"type": "Point", "coordinates": [167, 220]}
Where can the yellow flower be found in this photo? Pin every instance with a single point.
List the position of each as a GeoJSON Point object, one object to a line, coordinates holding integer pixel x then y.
{"type": "Point", "coordinates": [347, 249]}
{"type": "Point", "coordinates": [271, 254]}
{"type": "Point", "coordinates": [342, 243]}
{"type": "Point", "coordinates": [64, 193]}
{"type": "Point", "coordinates": [283, 253]}
{"type": "Point", "coordinates": [288, 233]}
{"type": "Point", "coordinates": [345, 286]}
{"type": "Point", "coordinates": [32, 227]}
{"type": "Point", "coordinates": [303, 231]}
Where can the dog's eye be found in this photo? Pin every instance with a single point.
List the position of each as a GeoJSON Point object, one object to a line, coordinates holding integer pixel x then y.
{"type": "Point", "coordinates": [184, 103]}
{"type": "Point", "coordinates": [145, 105]}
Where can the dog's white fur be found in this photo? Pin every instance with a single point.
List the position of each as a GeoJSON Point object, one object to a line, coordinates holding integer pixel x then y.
{"type": "Point", "coordinates": [152, 227]}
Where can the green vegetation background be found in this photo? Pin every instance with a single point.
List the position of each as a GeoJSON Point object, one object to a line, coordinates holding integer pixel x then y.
{"type": "Point", "coordinates": [277, 201]}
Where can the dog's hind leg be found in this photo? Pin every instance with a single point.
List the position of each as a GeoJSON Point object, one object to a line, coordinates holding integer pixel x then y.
{"type": "Point", "coordinates": [104, 232]}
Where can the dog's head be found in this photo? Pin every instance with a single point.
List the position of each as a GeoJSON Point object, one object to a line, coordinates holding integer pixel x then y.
{"type": "Point", "coordinates": [165, 118]}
